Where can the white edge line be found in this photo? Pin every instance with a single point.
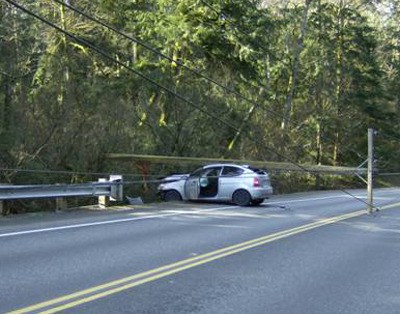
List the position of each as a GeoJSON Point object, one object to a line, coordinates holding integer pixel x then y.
{"type": "Point", "coordinates": [4, 235]}
{"type": "Point", "coordinates": [108, 222]}
{"type": "Point", "coordinates": [77, 226]}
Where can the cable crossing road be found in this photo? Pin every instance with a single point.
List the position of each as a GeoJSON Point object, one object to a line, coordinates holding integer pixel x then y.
{"type": "Point", "coordinates": [313, 252]}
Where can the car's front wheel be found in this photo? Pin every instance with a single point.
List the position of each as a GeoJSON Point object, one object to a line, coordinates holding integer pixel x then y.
{"type": "Point", "coordinates": [172, 195]}
{"type": "Point", "coordinates": [241, 198]}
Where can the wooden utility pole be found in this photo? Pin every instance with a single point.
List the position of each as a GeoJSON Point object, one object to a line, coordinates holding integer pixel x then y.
{"type": "Point", "coordinates": [370, 171]}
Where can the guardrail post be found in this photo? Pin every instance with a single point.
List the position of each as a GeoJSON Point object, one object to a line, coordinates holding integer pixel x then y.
{"type": "Point", "coordinates": [116, 188]}
{"type": "Point", "coordinates": [103, 199]}
{"type": "Point", "coordinates": [3, 208]}
{"type": "Point", "coordinates": [61, 203]}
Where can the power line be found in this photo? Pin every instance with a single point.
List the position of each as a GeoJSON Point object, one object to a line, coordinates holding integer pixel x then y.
{"type": "Point", "coordinates": [109, 57]}
{"type": "Point", "coordinates": [191, 103]}
{"type": "Point", "coordinates": [141, 75]}
{"type": "Point", "coordinates": [180, 63]}
{"type": "Point", "coordinates": [159, 53]}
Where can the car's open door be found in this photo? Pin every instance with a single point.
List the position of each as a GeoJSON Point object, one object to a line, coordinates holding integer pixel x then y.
{"type": "Point", "coordinates": [192, 185]}
{"type": "Point", "coordinates": [209, 181]}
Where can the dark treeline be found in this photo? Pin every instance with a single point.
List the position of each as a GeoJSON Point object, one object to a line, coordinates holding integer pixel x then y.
{"type": "Point", "coordinates": [243, 79]}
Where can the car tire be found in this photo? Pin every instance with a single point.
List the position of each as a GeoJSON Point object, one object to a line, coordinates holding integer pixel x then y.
{"type": "Point", "coordinates": [241, 198]}
{"type": "Point", "coordinates": [257, 202]}
{"type": "Point", "coordinates": [172, 195]}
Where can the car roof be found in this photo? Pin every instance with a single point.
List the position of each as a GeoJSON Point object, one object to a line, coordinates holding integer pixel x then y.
{"type": "Point", "coordinates": [224, 165]}
{"type": "Point", "coordinates": [244, 167]}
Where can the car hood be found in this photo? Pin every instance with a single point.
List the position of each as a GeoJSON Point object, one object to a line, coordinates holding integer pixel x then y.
{"type": "Point", "coordinates": [174, 177]}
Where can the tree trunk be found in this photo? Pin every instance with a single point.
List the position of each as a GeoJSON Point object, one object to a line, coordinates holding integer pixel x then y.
{"type": "Point", "coordinates": [295, 68]}
{"type": "Point", "coordinates": [6, 52]}
{"type": "Point", "coordinates": [339, 87]}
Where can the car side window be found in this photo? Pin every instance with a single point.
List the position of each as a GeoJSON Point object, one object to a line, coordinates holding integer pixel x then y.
{"type": "Point", "coordinates": [230, 171]}
{"type": "Point", "coordinates": [197, 173]}
{"type": "Point", "coordinates": [213, 172]}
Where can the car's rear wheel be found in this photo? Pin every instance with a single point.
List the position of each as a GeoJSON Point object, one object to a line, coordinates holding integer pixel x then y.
{"type": "Point", "coordinates": [241, 198]}
{"type": "Point", "coordinates": [257, 201]}
{"type": "Point", "coordinates": [172, 195]}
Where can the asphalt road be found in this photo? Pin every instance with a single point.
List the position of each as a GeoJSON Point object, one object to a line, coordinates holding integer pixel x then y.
{"type": "Point", "coordinates": [301, 253]}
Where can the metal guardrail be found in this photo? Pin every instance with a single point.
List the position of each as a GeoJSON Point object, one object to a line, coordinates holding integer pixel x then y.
{"type": "Point", "coordinates": [95, 189]}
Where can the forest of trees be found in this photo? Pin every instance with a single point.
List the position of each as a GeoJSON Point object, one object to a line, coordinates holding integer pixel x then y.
{"type": "Point", "coordinates": [243, 79]}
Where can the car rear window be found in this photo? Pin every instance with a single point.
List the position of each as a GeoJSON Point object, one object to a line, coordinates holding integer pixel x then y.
{"type": "Point", "coordinates": [258, 171]}
{"type": "Point", "coordinates": [229, 171]}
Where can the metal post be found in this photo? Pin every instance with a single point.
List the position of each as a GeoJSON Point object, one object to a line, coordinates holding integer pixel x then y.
{"type": "Point", "coordinates": [117, 188]}
{"type": "Point", "coordinates": [61, 203]}
{"type": "Point", "coordinates": [370, 170]}
{"type": "Point", "coordinates": [103, 199]}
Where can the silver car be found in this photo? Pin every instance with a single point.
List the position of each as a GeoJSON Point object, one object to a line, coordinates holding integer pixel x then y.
{"type": "Point", "coordinates": [242, 185]}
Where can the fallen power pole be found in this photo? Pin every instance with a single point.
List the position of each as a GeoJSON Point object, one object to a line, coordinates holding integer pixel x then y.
{"type": "Point", "coordinates": [272, 166]}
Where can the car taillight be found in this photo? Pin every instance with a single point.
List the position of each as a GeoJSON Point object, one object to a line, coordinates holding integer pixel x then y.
{"type": "Point", "coordinates": [256, 182]}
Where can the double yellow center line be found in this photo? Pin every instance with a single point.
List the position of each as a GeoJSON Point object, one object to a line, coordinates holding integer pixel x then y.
{"type": "Point", "coordinates": [104, 290]}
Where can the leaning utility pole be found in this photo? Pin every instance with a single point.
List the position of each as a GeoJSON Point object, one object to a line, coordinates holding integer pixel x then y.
{"type": "Point", "coordinates": [370, 171]}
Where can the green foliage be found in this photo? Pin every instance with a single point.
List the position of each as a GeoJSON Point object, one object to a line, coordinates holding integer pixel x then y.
{"type": "Point", "coordinates": [330, 69]}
